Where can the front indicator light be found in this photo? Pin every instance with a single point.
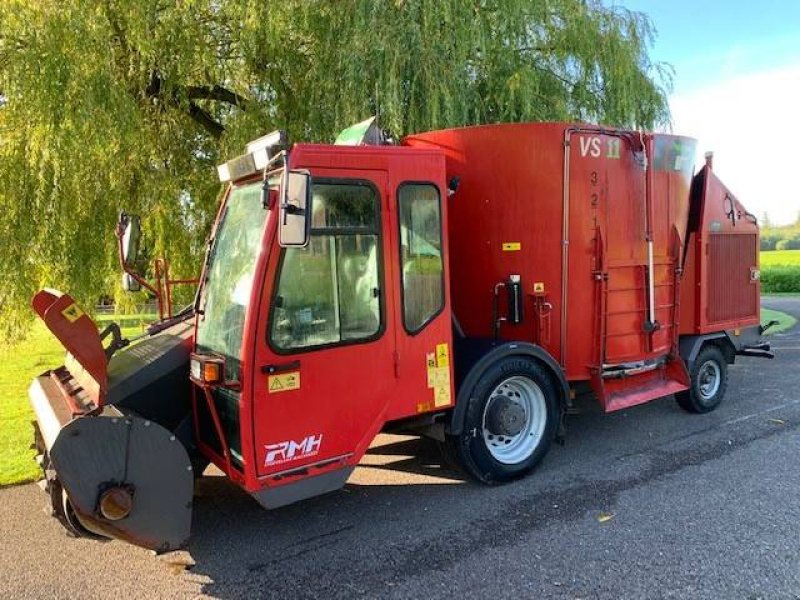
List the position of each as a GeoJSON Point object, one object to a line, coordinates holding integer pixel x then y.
{"type": "Point", "coordinates": [212, 371]}
{"type": "Point", "coordinates": [206, 369]}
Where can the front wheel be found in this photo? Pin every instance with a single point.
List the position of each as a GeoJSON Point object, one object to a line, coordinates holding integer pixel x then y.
{"type": "Point", "coordinates": [510, 421]}
{"type": "Point", "coordinates": [708, 380]}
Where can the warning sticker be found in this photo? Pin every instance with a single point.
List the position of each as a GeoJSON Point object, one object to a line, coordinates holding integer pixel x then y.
{"type": "Point", "coordinates": [512, 246]}
{"type": "Point", "coordinates": [430, 359]}
{"type": "Point", "coordinates": [438, 377]}
{"type": "Point", "coordinates": [441, 395]}
{"type": "Point", "coordinates": [284, 382]}
{"type": "Point", "coordinates": [442, 355]}
{"type": "Point", "coordinates": [538, 287]}
{"type": "Point", "coordinates": [72, 313]}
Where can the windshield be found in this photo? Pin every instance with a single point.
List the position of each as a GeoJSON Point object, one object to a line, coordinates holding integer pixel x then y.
{"type": "Point", "coordinates": [229, 276]}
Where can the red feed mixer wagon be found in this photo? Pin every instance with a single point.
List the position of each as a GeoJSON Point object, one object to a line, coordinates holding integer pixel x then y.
{"type": "Point", "coordinates": [460, 285]}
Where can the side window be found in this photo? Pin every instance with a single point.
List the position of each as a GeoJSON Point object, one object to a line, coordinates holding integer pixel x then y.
{"type": "Point", "coordinates": [419, 208]}
{"type": "Point", "coordinates": [329, 292]}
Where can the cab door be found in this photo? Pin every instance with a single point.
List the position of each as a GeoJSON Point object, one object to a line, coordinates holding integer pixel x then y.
{"type": "Point", "coordinates": [325, 366]}
{"type": "Point", "coordinates": [424, 322]}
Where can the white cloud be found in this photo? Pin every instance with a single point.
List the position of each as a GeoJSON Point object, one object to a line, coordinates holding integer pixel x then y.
{"type": "Point", "coordinates": [752, 124]}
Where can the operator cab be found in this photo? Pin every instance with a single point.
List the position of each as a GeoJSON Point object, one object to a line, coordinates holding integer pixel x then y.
{"type": "Point", "coordinates": [322, 306]}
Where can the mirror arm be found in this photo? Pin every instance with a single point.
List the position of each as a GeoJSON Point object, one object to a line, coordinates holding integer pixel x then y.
{"type": "Point", "coordinates": [140, 280]}
{"type": "Point", "coordinates": [265, 202]}
{"type": "Point", "coordinates": [291, 209]}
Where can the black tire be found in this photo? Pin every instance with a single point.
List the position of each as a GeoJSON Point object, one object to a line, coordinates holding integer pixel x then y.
{"type": "Point", "coordinates": [709, 380]}
{"type": "Point", "coordinates": [471, 448]}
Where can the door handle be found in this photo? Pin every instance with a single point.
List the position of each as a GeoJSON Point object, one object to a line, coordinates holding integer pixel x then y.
{"type": "Point", "coordinates": [280, 368]}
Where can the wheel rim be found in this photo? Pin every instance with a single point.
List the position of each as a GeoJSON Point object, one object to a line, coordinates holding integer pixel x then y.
{"type": "Point", "coordinates": [525, 395]}
{"type": "Point", "coordinates": [708, 379]}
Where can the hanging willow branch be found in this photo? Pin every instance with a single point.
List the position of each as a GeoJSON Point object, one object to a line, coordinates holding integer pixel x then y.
{"type": "Point", "coordinates": [129, 103]}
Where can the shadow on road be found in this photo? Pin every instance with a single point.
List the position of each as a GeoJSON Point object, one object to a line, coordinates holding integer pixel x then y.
{"type": "Point", "coordinates": [404, 514]}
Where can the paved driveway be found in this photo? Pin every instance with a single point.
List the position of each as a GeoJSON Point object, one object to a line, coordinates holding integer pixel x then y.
{"type": "Point", "coordinates": [646, 503]}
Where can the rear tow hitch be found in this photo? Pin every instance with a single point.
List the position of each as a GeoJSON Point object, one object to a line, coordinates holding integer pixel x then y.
{"type": "Point", "coordinates": [760, 350]}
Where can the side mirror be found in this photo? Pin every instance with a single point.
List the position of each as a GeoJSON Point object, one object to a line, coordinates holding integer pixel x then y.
{"type": "Point", "coordinates": [294, 228]}
{"type": "Point", "coordinates": [130, 226]}
{"type": "Point", "coordinates": [129, 284]}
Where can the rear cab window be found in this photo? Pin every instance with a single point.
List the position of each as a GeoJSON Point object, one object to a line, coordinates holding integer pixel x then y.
{"type": "Point", "coordinates": [422, 268]}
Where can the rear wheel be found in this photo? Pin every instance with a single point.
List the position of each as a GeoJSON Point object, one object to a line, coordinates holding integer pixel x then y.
{"type": "Point", "coordinates": [510, 421]}
{"type": "Point", "coordinates": [708, 382]}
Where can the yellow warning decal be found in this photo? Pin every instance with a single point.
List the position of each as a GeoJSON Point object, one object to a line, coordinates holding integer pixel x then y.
{"type": "Point", "coordinates": [72, 313]}
{"type": "Point", "coordinates": [441, 376]}
{"type": "Point", "coordinates": [512, 246]}
{"type": "Point", "coordinates": [538, 287]}
{"type": "Point", "coordinates": [442, 355]}
{"type": "Point", "coordinates": [284, 382]}
{"type": "Point", "coordinates": [438, 377]}
{"type": "Point", "coordinates": [430, 360]}
{"type": "Point", "coordinates": [441, 395]}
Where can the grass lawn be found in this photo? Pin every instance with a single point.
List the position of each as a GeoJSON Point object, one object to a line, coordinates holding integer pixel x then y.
{"type": "Point", "coordinates": [780, 257]}
{"type": "Point", "coordinates": [784, 321]}
{"type": "Point", "coordinates": [18, 366]}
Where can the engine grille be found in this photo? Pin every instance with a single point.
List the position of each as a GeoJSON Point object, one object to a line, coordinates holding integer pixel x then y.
{"type": "Point", "coordinates": [731, 294]}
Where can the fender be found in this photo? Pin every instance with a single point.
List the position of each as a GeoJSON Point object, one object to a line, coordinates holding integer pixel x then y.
{"type": "Point", "coordinates": [736, 342]}
{"type": "Point", "coordinates": [689, 345]}
{"type": "Point", "coordinates": [474, 355]}
{"type": "Point", "coordinates": [741, 341]}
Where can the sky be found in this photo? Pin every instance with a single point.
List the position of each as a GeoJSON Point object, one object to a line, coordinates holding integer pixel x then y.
{"type": "Point", "coordinates": [737, 90]}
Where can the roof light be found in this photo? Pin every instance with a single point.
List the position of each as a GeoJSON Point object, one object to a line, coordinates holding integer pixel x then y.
{"type": "Point", "coordinates": [260, 158]}
{"type": "Point", "coordinates": [257, 157]}
{"type": "Point", "coordinates": [224, 172]}
{"type": "Point", "coordinates": [266, 142]}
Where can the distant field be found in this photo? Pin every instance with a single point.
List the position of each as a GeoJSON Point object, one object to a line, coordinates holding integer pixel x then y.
{"type": "Point", "coordinates": [780, 272]}
{"type": "Point", "coordinates": [780, 257]}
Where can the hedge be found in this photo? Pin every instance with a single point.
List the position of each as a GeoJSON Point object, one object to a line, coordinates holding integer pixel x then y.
{"type": "Point", "coordinates": [780, 279]}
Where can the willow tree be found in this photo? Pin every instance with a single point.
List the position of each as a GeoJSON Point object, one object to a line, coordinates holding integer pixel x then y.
{"type": "Point", "coordinates": [110, 104]}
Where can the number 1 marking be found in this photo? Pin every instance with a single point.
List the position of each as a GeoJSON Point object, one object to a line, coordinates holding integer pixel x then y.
{"type": "Point", "coordinates": [613, 148]}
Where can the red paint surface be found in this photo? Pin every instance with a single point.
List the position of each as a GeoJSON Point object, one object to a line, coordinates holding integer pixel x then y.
{"type": "Point", "coordinates": [512, 191]}
{"type": "Point", "coordinates": [718, 291]}
{"type": "Point", "coordinates": [80, 338]}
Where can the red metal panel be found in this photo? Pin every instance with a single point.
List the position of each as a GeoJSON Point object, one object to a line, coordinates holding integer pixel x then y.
{"type": "Point", "coordinates": [512, 193]}
{"type": "Point", "coordinates": [732, 294]}
{"type": "Point", "coordinates": [78, 334]}
{"type": "Point", "coordinates": [721, 289]}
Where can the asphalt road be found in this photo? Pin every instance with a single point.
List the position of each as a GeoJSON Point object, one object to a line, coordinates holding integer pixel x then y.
{"type": "Point", "coordinates": [649, 502]}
